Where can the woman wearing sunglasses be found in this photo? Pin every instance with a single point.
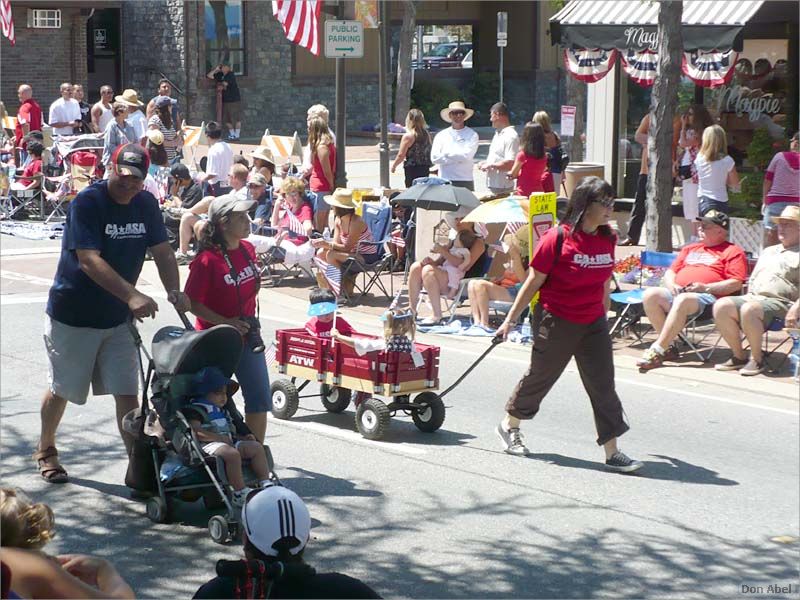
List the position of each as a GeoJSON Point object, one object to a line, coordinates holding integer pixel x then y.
{"type": "Point", "coordinates": [572, 269]}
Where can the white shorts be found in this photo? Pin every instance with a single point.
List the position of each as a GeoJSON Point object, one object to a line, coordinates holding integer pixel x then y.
{"type": "Point", "coordinates": [79, 356]}
{"type": "Point", "coordinates": [211, 447]}
{"type": "Point", "coordinates": [295, 254]}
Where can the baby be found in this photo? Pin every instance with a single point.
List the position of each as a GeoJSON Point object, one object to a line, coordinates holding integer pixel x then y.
{"type": "Point", "coordinates": [221, 430]}
{"type": "Point", "coordinates": [461, 248]}
{"type": "Point", "coordinates": [322, 306]}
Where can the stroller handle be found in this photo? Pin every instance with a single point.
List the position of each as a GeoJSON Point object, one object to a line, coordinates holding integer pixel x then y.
{"type": "Point", "coordinates": [185, 320]}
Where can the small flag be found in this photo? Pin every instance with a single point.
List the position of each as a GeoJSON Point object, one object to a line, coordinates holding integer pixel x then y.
{"type": "Point", "coordinates": [331, 274]}
{"type": "Point", "coordinates": [270, 355]}
{"type": "Point", "coordinates": [7, 21]}
{"type": "Point", "coordinates": [396, 300]}
{"type": "Point", "coordinates": [295, 225]}
{"type": "Point", "coordinates": [514, 227]}
{"type": "Point", "coordinates": [482, 231]}
{"type": "Point", "coordinates": [397, 239]}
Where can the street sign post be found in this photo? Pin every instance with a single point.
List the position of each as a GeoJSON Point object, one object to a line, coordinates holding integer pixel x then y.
{"type": "Point", "coordinates": [344, 39]}
{"type": "Point", "coordinates": [502, 42]}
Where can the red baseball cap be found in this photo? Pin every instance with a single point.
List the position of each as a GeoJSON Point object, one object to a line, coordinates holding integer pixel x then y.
{"type": "Point", "coordinates": [131, 159]}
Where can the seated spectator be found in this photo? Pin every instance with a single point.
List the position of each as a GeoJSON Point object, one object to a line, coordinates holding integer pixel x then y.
{"type": "Point", "coordinates": [261, 192]}
{"type": "Point", "coordinates": [263, 163]}
{"type": "Point", "coordinates": [238, 159]}
{"type": "Point", "coordinates": [293, 220]}
{"type": "Point", "coordinates": [505, 288]}
{"type": "Point", "coordinates": [184, 192]}
{"type": "Point", "coordinates": [29, 573]}
{"type": "Point", "coordinates": [268, 539]}
{"type": "Point", "coordinates": [34, 167]}
{"type": "Point", "coordinates": [772, 290]}
{"type": "Point", "coordinates": [702, 272]}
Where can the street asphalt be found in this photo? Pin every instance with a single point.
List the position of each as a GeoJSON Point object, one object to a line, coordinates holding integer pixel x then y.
{"type": "Point", "coordinates": [449, 515]}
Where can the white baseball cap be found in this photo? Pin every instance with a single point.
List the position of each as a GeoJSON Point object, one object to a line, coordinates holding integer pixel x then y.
{"type": "Point", "coordinates": [275, 519]}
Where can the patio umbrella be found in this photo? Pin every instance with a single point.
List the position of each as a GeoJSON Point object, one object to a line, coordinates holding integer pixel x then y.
{"type": "Point", "coordinates": [437, 197]}
{"type": "Point", "coordinates": [503, 210]}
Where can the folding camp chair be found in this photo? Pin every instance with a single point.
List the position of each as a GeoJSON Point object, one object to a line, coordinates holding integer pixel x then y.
{"type": "Point", "coordinates": [272, 265]}
{"type": "Point", "coordinates": [379, 221]}
{"type": "Point", "coordinates": [477, 271]}
{"type": "Point", "coordinates": [24, 202]}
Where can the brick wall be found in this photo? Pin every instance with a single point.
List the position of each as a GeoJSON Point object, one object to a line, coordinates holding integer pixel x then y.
{"type": "Point", "coordinates": [42, 58]}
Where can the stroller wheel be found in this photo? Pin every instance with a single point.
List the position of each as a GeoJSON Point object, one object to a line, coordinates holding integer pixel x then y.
{"type": "Point", "coordinates": [430, 416]}
{"type": "Point", "coordinates": [372, 418]}
{"type": "Point", "coordinates": [335, 399]}
{"type": "Point", "coordinates": [157, 510]}
{"type": "Point", "coordinates": [218, 528]}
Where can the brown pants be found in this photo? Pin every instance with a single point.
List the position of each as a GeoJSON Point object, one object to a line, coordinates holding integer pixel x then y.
{"type": "Point", "coordinates": [555, 342]}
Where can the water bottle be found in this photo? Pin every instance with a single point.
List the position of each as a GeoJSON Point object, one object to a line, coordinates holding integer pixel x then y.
{"type": "Point", "coordinates": [794, 355]}
{"type": "Point", "coordinates": [326, 235]}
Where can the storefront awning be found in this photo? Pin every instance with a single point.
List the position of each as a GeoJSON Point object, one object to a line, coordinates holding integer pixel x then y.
{"type": "Point", "coordinates": [632, 26]}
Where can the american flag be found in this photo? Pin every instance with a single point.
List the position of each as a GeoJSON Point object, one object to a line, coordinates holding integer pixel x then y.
{"type": "Point", "coordinates": [7, 21]}
{"type": "Point", "coordinates": [299, 20]}
{"type": "Point", "coordinates": [514, 227]}
{"type": "Point", "coordinates": [482, 231]}
{"type": "Point", "coordinates": [270, 355]}
{"type": "Point", "coordinates": [332, 275]}
{"type": "Point", "coordinates": [397, 239]}
{"type": "Point", "coordinates": [295, 225]}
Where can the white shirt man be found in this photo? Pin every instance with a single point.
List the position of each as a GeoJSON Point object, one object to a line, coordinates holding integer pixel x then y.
{"type": "Point", "coordinates": [454, 148]}
{"type": "Point", "coordinates": [220, 159]}
{"type": "Point", "coordinates": [65, 113]}
{"type": "Point", "coordinates": [502, 151]}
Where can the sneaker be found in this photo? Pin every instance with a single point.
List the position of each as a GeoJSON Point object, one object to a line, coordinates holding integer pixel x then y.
{"type": "Point", "coordinates": [651, 359]}
{"type": "Point", "coordinates": [621, 463]}
{"type": "Point", "coordinates": [240, 496]}
{"type": "Point", "coordinates": [513, 442]}
{"type": "Point", "coordinates": [182, 259]}
{"type": "Point", "coordinates": [732, 364]}
{"type": "Point", "coordinates": [753, 368]}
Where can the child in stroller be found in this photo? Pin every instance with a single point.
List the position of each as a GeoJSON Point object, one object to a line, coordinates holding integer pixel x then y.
{"type": "Point", "coordinates": [211, 416]}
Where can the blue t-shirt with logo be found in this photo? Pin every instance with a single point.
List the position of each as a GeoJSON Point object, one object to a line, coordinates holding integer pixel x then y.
{"type": "Point", "coordinates": [122, 233]}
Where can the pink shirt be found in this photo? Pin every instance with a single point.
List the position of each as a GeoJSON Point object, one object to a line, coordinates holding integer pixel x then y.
{"type": "Point", "coordinates": [784, 173]}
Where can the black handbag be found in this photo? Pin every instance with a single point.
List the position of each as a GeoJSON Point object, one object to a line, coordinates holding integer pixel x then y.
{"type": "Point", "coordinates": [685, 172]}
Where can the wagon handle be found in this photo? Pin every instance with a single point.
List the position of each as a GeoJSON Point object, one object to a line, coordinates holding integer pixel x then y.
{"type": "Point", "coordinates": [496, 341]}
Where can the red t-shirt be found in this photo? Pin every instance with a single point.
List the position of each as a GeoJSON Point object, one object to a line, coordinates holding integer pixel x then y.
{"type": "Point", "coordinates": [303, 214]}
{"type": "Point", "coordinates": [323, 328]}
{"type": "Point", "coordinates": [211, 284]}
{"type": "Point", "coordinates": [31, 113]}
{"type": "Point", "coordinates": [317, 181]}
{"type": "Point", "coordinates": [697, 263]}
{"type": "Point", "coordinates": [529, 179]}
{"type": "Point", "coordinates": [576, 282]}
{"type": "Point", "coordinates": [32, 168]}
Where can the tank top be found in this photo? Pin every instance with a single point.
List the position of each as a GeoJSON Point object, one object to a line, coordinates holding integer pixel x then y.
{"type": "Point", "coordinates": [366, 243]}
{"type": "Point", "coordinates": [419, 153]}
{"type": "Point", "coordinates": [317, 181]}
{"type": "Point", "coordinates": [105, 117]}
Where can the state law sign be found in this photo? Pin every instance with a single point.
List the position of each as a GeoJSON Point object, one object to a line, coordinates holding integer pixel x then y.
{"type": "Point", "coordinates": [344, 39]}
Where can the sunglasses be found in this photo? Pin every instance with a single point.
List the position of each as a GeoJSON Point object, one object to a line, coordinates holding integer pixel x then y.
{"type": "Point", "coordinates": [456, 113]}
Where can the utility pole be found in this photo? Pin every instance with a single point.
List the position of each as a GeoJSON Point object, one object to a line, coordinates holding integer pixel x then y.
{"type": "Point", "coordinates": [383, 51]}
{"type": "Point", "coordinates": [502, 42]}
{"type": "Point", "coordinates": [341, 113]}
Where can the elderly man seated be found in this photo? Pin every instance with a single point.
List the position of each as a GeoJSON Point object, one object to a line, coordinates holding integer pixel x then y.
{"type": "Point", "coordinates": [772, 290]}
{"type": "Point", "coordinates": [702, 272]}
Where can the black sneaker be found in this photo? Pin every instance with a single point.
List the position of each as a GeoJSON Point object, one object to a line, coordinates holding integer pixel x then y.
{"type": "Point", "coordinates": [621, 463]}
{"type": "Point", "coordinates": [513, 442]}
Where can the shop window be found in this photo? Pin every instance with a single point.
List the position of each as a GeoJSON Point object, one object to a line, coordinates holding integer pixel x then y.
{"type": "Point", "coordinates": [44, 18]}
{"type": "Point", "coordinates": [224, 34]}
{"type": "Point", "coordinates": [443, 47]}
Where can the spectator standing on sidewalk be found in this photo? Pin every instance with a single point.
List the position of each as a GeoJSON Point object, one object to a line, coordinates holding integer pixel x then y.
{"type": "Point", "coordinates": [162, 120]}
{"type": "Point", "coordinates": [135, 115]}
{"type": "Point", "coordinates": [29, 117]}
{"type": "Point", "coordinates": [571, 267]}
{"type": "Point", "coordinates": [109, 228]}
{"type": "Point", "coordinates": [86, 110]}
{"type": "Point", "coordinates": [454, 148]}
{"type": "Point", "coordinates": [220, 160]}
{"type": "Point", "coordinates": [118, 132]}
{"type": "Point", "coordinates": [231, 99]}
{"type": "Point", "coordinates": [415, 148]}
{"type": "Point", "coordinates": [102, 111]}
{"type": "Point", "coordinates": [321, 182]}
{"type": "Point", "coordinates": [164, 89]}
{"type": "Point", "coordinates": [530, 164]}
{"type": "Point", "coordinates": [65, 113]}
{"type": "Point", "coordinates": [502, 151]}
{"type": "Point", "coordinates": [553, 145]}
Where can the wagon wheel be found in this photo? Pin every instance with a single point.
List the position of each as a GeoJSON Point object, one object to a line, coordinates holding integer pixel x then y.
{"type": "Point", "coordinates": [285, 399]}
{"type": "Point", "coordinates": [335, 399]}
{"type": "Point", "coordinates": [372, 418]}
{"type": "Point", "coordinates": [431, 417]}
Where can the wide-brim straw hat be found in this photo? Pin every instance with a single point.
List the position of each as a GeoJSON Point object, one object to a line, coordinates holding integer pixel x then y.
{"type": "Point", "coordinates": [264, 154]}
{"type": "Point", "coordinates": [341, 197]}
{"type": "Point", "coordinates": [458, 105]}
{"type": "Point", "coordinates": [790, 213]}
{"type": "Point", "coordinates": [129, 97]}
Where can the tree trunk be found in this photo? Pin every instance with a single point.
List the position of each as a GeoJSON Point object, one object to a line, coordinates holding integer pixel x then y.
{"type": "Point", "coordinates": [402, 98]}
{"type": "Point", "coordinates": [663, 105]}
{"type": "Point", "coordinates": [576, 96]}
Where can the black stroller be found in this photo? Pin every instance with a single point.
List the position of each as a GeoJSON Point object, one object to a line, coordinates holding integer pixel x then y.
{"type": "Point", "coordinates": [167, 458]}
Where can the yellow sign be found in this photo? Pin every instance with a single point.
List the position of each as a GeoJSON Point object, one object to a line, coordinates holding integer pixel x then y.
{"type": "Point", "coordinates": [358, 195]}
{"type": "Point", "coordinates": [542, 211]}
{"type": "Point", "coordinates": [9, 122]}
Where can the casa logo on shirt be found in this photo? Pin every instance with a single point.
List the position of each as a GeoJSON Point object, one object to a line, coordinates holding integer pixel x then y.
{"type": "Point", "coordinates": [245, 274]}
{"type": "Point", "coordinates": [700, 257]}
{"type": "Point", "coordinates": [127, 231]}
{"type": "Point", "coordinates": [596, 261]}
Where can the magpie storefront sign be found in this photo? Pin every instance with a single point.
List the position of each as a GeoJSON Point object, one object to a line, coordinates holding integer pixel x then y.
{"type": "Point", "coordinates": [639, 38]}
{"type": "Point", "coordinates": [744, 101]}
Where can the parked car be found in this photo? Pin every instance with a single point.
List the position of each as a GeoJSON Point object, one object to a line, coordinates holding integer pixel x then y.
{"type": "Point", "coordinates": [445, 56]}
{"type": "Point", "coordinates": [467, 62]}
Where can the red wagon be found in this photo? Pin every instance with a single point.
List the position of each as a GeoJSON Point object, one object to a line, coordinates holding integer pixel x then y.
{"type": "Point", "coordinates": [340, 372]}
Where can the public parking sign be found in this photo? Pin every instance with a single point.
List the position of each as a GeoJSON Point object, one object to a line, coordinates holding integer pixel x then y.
{"type": "Point", "coordinates": [344, 39]}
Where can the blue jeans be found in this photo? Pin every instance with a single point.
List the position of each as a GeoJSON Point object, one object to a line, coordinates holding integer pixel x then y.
{"type": "Point", "coordinates": [253, 377]}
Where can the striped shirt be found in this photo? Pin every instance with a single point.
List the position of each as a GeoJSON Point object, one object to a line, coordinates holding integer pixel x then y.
{"type": "Point", "coordinates": [169, 136]}
{"type": "Point", "coordinates": [784, 173]}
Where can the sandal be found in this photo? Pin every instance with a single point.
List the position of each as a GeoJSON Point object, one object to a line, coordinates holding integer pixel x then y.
{"type": "Point", "coordinates": [50, 473]}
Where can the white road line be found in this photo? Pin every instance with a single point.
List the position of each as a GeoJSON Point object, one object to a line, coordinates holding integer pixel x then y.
{"type": "Point", "coordinates": [26, 251]}
{"type": "Point", "coordinates": [15, 276]}
{"type": "Point", "coordinates": [350, 436]}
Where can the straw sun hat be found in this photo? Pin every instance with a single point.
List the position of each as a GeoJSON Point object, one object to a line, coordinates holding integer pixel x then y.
{"type": "Point", "coordinates": [342, 197]}
{"type": "Point", "coordinates": [458, 105]}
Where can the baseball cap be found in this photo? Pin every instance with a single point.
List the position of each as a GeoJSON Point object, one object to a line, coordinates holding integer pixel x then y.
{"type": "Point", "coordinates": [224, 205]}
{"type": "Point", "coordinates": [180, 171]}
{"type": "Point", "coordinates": [715, 217]}
{"type": "Point", "coordinates": [164, 101]}
{"type": "Point", "coordinates": [210, 379]}
{"type": "Point", "coordinates": [276, 519]}
{"type": "Point", "coordinates": [155, 136]}
{"type": "Point", "coordinates": [257, 179]}
{"type": "Point", "coordinates": [130, 159]}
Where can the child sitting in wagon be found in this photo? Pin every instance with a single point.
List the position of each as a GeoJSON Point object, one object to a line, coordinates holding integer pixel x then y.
{"type": "Point", "coordinates": [322, 306]}
{"type": "Point", "coordinates": [398, 336]}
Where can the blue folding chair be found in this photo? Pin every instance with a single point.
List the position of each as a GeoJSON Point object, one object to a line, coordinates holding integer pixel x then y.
{"type": "Point", "coordinates": [379, 221]}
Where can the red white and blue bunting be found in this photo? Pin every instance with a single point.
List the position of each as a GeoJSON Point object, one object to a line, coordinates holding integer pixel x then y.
{"type": "Point", "coordinates": [589, 65]}
{"type": "Point", "coordinates": [710, 69]}
{"type": "Point", "coordinates": [640, 66]}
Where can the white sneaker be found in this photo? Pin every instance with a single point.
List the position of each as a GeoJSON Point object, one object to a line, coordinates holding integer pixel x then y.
{"type": "Point", "coordinates": [240, 496]}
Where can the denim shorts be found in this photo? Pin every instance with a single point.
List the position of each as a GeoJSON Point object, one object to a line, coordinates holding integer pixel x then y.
{"type": "Point", "coordinates": [705, 300]}
{"type": "Point", "coordinates": [253, 377]}
{"type": "Point", "coordinates": [774, 210]}
{"type": "Point", "coordinates": [514, 290]}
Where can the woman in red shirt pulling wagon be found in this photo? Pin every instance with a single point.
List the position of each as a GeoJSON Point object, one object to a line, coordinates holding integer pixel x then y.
{"type": "Point", "coordinates": [571, 268]}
